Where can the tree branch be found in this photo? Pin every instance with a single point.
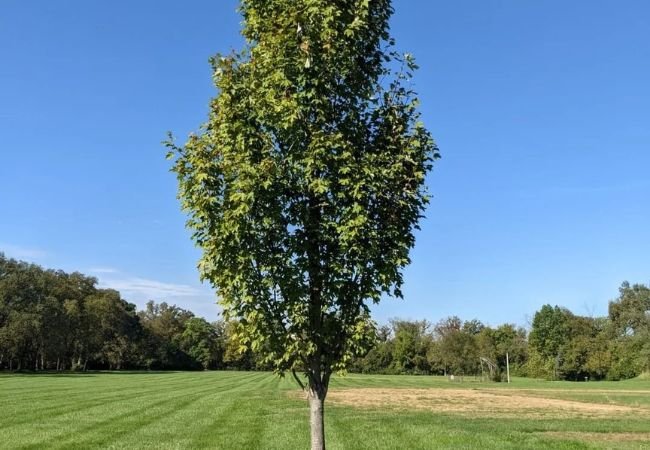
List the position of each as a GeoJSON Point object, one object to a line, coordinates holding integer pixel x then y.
{"type": "Point", "coordinates": [295, 376]}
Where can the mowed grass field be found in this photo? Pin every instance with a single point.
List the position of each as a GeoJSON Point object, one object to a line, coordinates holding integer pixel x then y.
{"type": "Point", "coordinates": [242, 410]}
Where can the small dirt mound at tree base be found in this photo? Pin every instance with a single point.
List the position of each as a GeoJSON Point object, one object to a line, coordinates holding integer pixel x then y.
{"type": "Point", "coordinates": [479, 403]}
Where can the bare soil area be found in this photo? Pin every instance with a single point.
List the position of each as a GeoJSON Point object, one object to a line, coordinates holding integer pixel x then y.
{"type": "Point", "coordinates": [474, 402]}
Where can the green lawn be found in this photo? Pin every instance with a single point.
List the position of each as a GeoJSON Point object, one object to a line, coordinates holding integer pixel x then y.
{"type": "Point", "coordinates": [232, 410]}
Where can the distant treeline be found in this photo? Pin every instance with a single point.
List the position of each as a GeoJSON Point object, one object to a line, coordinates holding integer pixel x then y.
{"type": "Point", "coordinates": [52, 320]}
{"type": "Point", "coordinates": [560, 344]}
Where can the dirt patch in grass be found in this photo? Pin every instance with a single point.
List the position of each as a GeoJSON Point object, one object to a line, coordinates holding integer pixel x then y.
{"type": "Point", "coordinates": [478, 403]}
{"type": "Point", "coordinates": [599, 437]}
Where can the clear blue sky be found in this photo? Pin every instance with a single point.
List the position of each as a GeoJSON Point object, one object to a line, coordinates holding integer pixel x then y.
{"type": "Point", "coordinates": [541, 110]}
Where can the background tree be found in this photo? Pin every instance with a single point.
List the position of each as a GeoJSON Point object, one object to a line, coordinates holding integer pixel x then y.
{"type": "Point", "coordinates": [164, 325]}
{"type": "Point", "coordinates": [115, 328]}
{"type": "Point", "coordinates": [630, 313]}
{"type": "Point", "coordinates": [459, 352]}
{"type": "Point", "coordinates": [629, 317]}
{"type": "Point", "coordinates": [201, 341]}
{"type": "Point", "coordinates": [548, 335]}
{"type": "Point", "coordinates": [306, 183]}
{"type": "Point", "coordinates": [451, 344]}
{"type": "Point", "coordinates": [513, 341]}
{"type": "Point", "coordinates": [379, 358]}
{"type": "Point", "coordinates": [410, 346]}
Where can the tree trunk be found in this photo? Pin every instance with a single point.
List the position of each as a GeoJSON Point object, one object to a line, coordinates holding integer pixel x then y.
{"type": "Point", "coordinates": [317, 422]}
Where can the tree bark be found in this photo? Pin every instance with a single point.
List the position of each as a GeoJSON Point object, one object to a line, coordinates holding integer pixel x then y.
{"type": "Point", "coordinates": [317, 416]}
